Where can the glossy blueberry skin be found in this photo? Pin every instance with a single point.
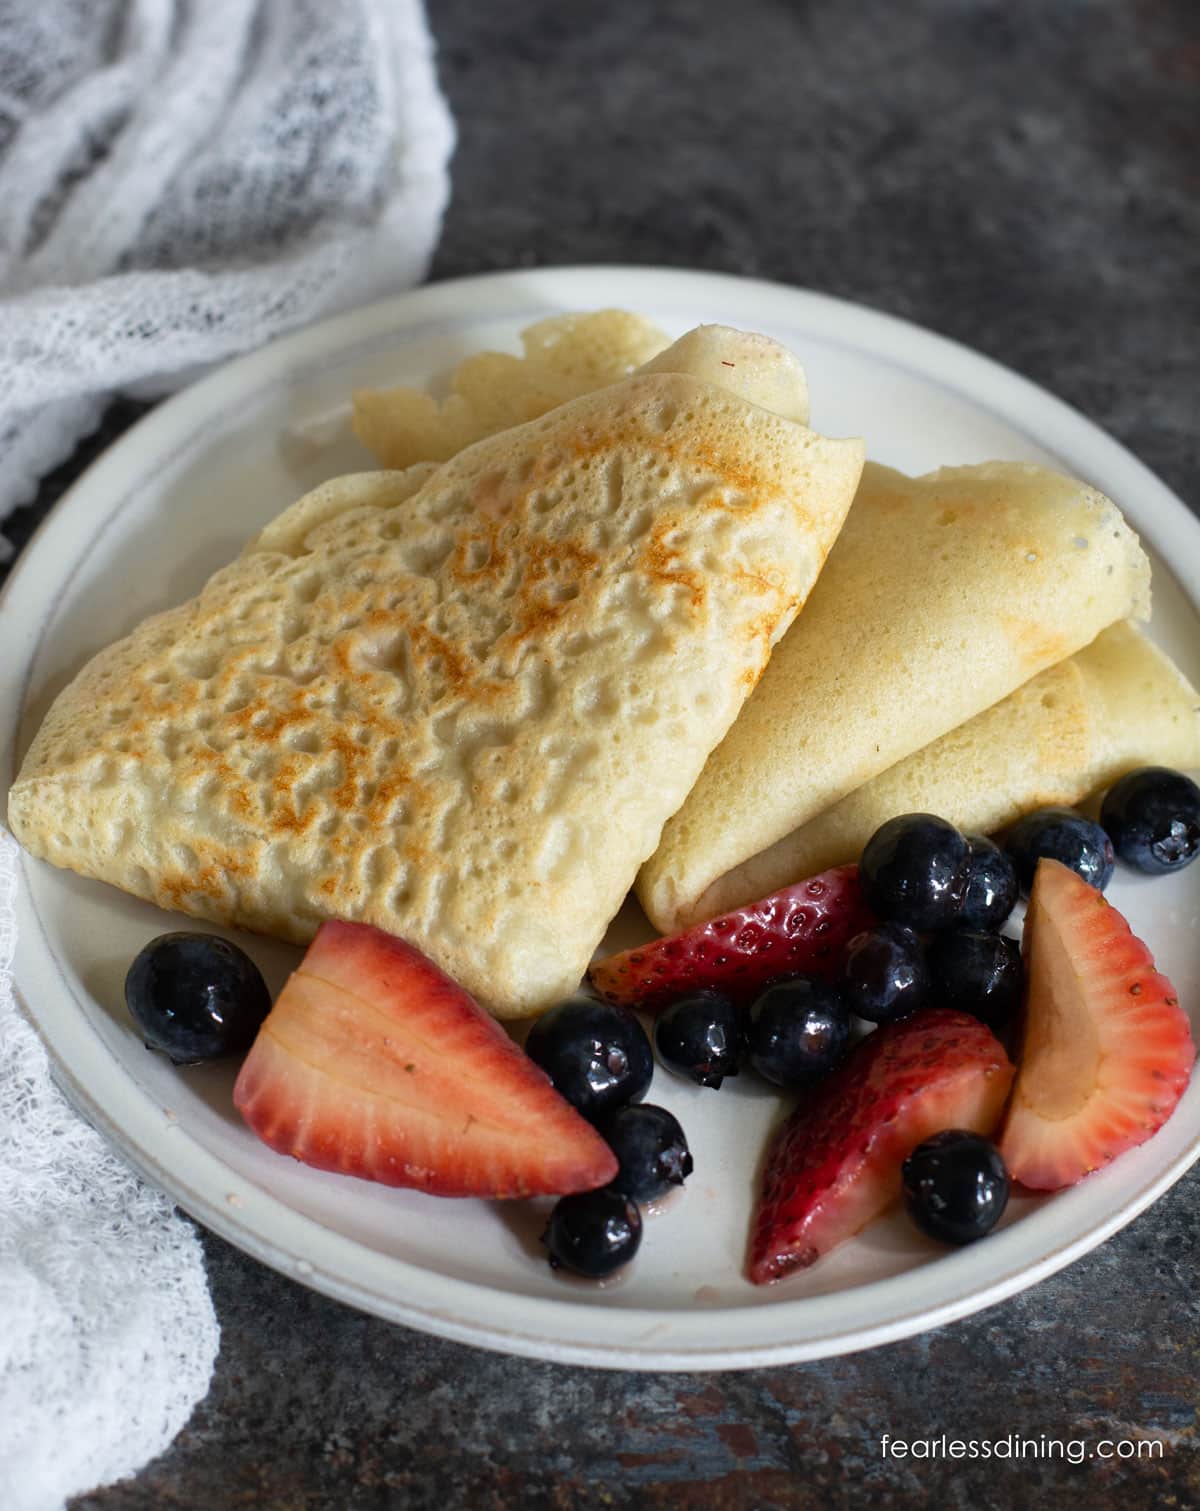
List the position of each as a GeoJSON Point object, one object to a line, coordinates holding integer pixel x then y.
{"type": "Point", "coordinates": [651, 1147]}
{"type": "Point", "coordinates": [1064, 835]}
{"type": "Point", "coordinates": [992, 885]}
{"type": "Point", "coordinates": [196, 997]}
{"type": "Point", "coordinates": [955, 1186]}
{"type": "Point", "coordinates": [797, 1030]}
{"type": "Point", "coordinates": [914, 870]}
{"type": "Point", "coordinates": [700, 1037]}
{"type": "Point", "coordinates": [885, 975]}
{"type": "Point", "coordinates": [1152, 816]}
{"type": "Point", "coordinates": [597, 1055]}
{"type": "Point", "coordinates": [593, 1233]}
{"type": "Point", "coordinates": [978, 972]}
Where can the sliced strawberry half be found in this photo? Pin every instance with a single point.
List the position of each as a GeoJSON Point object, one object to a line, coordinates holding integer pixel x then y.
{"type": "Point", "coordinates": [375, 1063]}
{"type": "Point", "coordinates": [1106, 1049]}
{"type": "Point", "coordinates": [801, 931]}
{"type": "Point", "coordinates": [835, 1164]}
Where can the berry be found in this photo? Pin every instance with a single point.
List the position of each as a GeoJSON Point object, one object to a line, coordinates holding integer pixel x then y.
{"type": "Point", "coordinates": [593, 1233]}
{"type": "Point", "coordinates": [835, 1164]}
{"type": "Point", "coordinates": [978, 972]}
{"type": "Point", "coordinates": [700, 1036]}
{"type": "Point", "coordinates": [915, 870]}
{"type": "Point", "coordinates": [955, 1186]}
{"type": "Point", "coordinates": [801, 930]}
{"type": "Point", "coordinates": [1153, 819]}
{"type": "Point", "coordinates": [1106, 1050]}
{"type": "Point", "coordinates": [597, 1055]}
{"type": "Point", "coordinates": [797, 1030]}
{"type": "Point", "coordinates": [992, 886]}
{"type": "Point", "coordinates": [374, 1063]}
{"type": "Point", "coordinates": [651, 1149]}
{"type": "Point", "coordinates": [885, 975]}
{"type": "Point", "coordinates": [1063, 835]}
{"type": "Point", "coordinates": [196, 997]}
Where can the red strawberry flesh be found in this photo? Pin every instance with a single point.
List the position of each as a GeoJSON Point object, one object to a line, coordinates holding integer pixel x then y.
{"type": "Point", "coordinates": [835, 1164]}
{"type": "Point", "coordinates": [1106, 1049]}
{"type": "Point", "coordinates": [800, 931]}
{"type": "Point", "coordinates": [375, 1063]}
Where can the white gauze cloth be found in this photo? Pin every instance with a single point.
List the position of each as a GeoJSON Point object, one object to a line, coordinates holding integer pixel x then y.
{"type": "Point", "coordinates": [185, 179]}
{"type": "Point", "coordinates": [178, 181]}
{"type": "Point", "coordinates": [107, 1330]}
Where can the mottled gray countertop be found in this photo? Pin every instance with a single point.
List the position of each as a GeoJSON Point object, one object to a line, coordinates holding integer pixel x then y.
{"type": "Point", "coordinates": [1023, 175]}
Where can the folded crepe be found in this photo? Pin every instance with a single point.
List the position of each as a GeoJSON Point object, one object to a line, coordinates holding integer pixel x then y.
{"type": "Point", "coordinates": [1064, 736]}
{"type": "Point", "coordinates": [943, 595]}
{"type": "Point", "coordinates": [562, 358]}
{"type": "Point", "coordinates": [457, 703]}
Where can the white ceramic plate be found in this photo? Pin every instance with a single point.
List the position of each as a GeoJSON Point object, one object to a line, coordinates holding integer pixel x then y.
{"type": "Point", "coordinates": [177, 496]}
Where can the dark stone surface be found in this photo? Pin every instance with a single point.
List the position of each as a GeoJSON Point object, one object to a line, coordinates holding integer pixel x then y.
{"type": "Point", "coordinates": [1020, 174]}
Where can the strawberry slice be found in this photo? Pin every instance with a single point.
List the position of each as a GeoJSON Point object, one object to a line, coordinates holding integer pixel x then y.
{"type": "Point", "coordinates": [835, 1163]}
{"type": "Point", "coordinates": [375, 1063]}
{"type": "Point", "coordinates": [801, 931]}
{"type": "Point", "coordinates": [1106, 1049]}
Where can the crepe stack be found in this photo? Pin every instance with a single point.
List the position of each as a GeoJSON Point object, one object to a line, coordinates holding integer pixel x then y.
{"type": "Point", "coordinates": [456, 702]}
{"type": "Point", "coordinates": [932, 668]}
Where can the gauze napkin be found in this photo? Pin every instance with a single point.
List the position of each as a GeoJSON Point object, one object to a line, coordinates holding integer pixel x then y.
{"type": "Point", "coordinates": [182, 181]}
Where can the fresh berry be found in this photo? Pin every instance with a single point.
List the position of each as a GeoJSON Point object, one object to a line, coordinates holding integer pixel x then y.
{"type": "Point", "coordinates": [1063, 835]}
{"type": "Point", "coordinates": [196, 997]}
{"type": "Point", "coordinates": [978, 972]}
{"type": "Point", "coordinates": [376, 1064]}
{"type": "Point", "coordinates": [915, 870]}
{"type": "Point", "coordinates": [1153, 819]}
{"type": "Point", "coordinates": [700, 1036]}
{"type": "Point", "coordinates": [835, 1164]}
{"type": "Point", "coordinates": [651, 1149]}
{"type": "Point", "coordinates": [955, 1186]}
{"type": "Point", "coordinates": [597, 1055]}
{"type": "Point", "coordinates": [885, 975]}
{"type": "Point", "coordinates": [1106, 1049]}
{"type": "Point", "coordinates": [992, 886]}
{"type": "Point", "coordinates": [797, 1031]}
{"type": "Point", "coordinates": [593, 1233]}
{"type": "Point", "coordinates": [802, 929]}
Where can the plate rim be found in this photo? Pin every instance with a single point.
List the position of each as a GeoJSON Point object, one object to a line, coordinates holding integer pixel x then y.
{"type": "Point", "coordinates": [494, 295]}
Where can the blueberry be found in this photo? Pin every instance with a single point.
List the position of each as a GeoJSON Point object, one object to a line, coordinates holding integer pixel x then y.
{"type": "Point", "coordinates": [597, 1055]}
{"type": "Point", "coordinates": [992, 886]}
{"type": "Point", "coordinates": [593, 1233]}
{"type": "Point", "coordinates": [700, 1036]}
{"type": "Point", "coordinates": [955, 1186]}
{"type": "Point", "coordinates": [914, 870]}
{"type": "Point", "coordinates": [797, 1030]}
{"type": "Point", "coordinates": [196, 997]}
{"type": "Point", "coordinates": [651, 1147]}
{"type": "Point", "coordinates": [978, 972]}
{"type": "Point", "coordinates": [1153, 819]}
{"type": "Point", "coordinates": [885, 975]}
{"type": "Point", "coordinates": [1064, 835]}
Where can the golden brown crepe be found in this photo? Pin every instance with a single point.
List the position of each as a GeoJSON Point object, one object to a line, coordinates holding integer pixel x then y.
{"type": "Point", "coordinates": [457, 703]}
